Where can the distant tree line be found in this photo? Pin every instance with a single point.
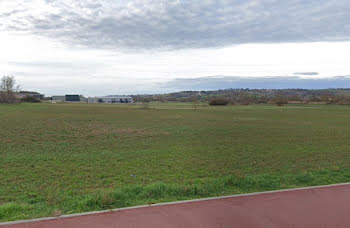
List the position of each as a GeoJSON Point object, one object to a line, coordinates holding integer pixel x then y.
{"type": "Point", "coordinates": [254, 96]}
{"type": "Point", "coordinates": [10, 93]}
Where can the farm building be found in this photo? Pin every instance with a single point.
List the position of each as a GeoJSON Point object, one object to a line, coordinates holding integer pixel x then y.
{"type": "Point", "coordinates": [72, 98]}
{"type": "Point", "coordinates": [58, 98]}
{"type": "Point", "coordinates": [112, 99]}
{"type": "Point", "coordinates": [67, 98]}
{"type": "Point", "coordinates": [92, 99]}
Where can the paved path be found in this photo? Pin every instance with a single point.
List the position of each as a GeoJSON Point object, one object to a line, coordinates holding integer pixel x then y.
{"type": "Point", "coordinates": [317, 207]}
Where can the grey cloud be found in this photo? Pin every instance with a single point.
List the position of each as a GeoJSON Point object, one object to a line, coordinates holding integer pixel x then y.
{"type": "Point", "coordinates": [225, 82]}
{"type": "Point", "coordinates": [186, 23]}
{"type": "Point", "coordinates": [108, 85]}
{"type": "Point", "coordinates": [306, 73]}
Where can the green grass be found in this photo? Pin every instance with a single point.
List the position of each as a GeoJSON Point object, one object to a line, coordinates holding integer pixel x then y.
{"type": "Point", "coordinates": [67, 158]}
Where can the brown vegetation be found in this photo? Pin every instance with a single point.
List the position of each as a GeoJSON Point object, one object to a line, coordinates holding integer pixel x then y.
{"type": "Point", "coordinates": [8, 90]}
{"type": "Point", "coordinates": [30, 99]}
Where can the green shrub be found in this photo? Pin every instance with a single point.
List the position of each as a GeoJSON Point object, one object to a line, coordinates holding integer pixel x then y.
{"type": "Point", "coordinates": [30, 99]}
{"type": "Point", "coordinates": [219, 101]}
{"type": "Point", "coordinates": [305, 178]}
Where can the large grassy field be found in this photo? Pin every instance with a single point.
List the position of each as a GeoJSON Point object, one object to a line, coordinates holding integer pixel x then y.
{"type": "Point", "coordinates": [66, 158]}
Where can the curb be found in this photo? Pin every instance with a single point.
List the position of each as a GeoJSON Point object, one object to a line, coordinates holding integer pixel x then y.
{"type": "Point", "coordinates": [168, 203]}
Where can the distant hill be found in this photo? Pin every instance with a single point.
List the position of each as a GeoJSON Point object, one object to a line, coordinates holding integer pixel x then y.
{"type": "Point", "coordinates": [247, 96]}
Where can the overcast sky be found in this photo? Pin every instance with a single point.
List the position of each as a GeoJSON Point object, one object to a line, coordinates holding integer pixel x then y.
{"type": "Point", "coordinates": [100, 47]}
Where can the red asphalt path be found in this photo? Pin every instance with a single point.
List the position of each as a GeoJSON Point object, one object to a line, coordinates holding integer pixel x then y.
{"type": "Point", "coordinates": [317, 207]}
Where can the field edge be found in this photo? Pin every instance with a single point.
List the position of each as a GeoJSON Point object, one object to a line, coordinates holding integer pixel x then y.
{"type": "Point", "coordinates": [134, 195]}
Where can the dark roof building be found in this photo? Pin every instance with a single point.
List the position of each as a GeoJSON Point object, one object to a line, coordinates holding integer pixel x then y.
{"type": "Point", "coordinates": [73, 98]}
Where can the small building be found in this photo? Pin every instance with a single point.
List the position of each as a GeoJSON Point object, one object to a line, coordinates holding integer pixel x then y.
{"type": "Point", "coordinates": [113, 99]}
{"type": "Point", "coordinates": [58, 98]}
{"type": "Point", "coordinates": [72, 98]}
{"type": "Point", "coordinates": [84, 99]}
{"type": "Point", "coordinates": [92, 99]}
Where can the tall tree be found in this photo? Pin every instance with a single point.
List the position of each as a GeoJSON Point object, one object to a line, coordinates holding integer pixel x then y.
{"type": "Point", "coordinates": [8, 89]}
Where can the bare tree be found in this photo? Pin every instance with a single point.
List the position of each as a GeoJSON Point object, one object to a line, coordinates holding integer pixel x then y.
{"type": "Point", "coordinates": [145, 103]}
{"type": "Point", "coordinates": [8, 89]}
{"type": "Point", "coordinates": [195, 101]}
{"type": "Point", "coordinates": [280, 100]}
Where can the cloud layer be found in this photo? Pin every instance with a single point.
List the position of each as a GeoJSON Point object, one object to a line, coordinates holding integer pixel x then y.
{"type": "Point", "coordinates": [227, 82]}
{"type": "Point", "coordinates": [149, 24]}
{"type": "Point", "coordinates": [306, 73]}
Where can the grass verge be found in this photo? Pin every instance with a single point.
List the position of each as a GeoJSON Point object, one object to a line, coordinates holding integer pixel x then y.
{"type": "Point", "coordinates": [132, 195]}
